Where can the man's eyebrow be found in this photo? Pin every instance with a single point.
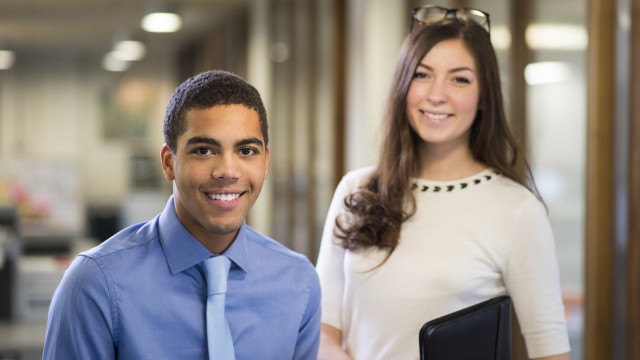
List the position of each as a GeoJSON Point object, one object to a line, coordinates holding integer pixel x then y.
{"type": "Point", "coordinates": [250, 141]}
{"type": "Point", "coordinates": [211, 141]}
{"type": "Point", "coordinates": [203, 140]}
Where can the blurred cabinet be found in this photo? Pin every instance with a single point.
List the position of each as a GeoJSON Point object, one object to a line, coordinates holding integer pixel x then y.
{"type": "Point", "coordinates": [9, 253]}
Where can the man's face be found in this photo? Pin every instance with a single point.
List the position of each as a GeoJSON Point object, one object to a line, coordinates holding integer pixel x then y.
{"type": "Point", "coordinates": [220, 164]}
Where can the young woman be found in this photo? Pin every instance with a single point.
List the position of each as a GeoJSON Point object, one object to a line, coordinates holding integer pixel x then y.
{"type": "Point", "coordinates": [448, 217]}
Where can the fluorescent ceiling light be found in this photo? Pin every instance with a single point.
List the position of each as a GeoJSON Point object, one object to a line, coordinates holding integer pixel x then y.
{"type": "Point", "coordinates": [547, 72]}
{"type": "Point", "coordinates": [161, 22]}
{"type": "Point", "coordinates": [544, 37]}
{"type": "Point", "coordinates": [111, 63]}
{"type": "Point", "coordinates": [7, 58]}
{"type": "Point", "coordinates": [129, 50]}
{"type": "Point", "coordinates": [556, 37]}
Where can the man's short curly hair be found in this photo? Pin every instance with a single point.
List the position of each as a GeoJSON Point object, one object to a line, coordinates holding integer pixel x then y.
{"type": "Point", "coordinates": [206, 90]}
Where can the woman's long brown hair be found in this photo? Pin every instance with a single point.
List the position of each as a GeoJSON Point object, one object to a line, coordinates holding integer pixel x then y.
{"type": "Point", "coordinates": [378, 209]}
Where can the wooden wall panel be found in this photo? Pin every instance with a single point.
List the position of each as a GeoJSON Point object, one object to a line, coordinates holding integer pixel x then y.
{"type": "Point", "coordinates": [633, 281]}
{"type": "Point", "coordinates": [300, 134]}
{"type": "Point", "coordinates": [598, 332]}
{"type": "Point", "coordinates": [520, 56]}
{"type": "Point", "coordinates": [223, 47]}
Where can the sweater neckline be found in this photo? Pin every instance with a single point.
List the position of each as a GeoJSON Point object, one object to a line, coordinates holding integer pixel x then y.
{"type": "Point", "coordinates": [434, 186]}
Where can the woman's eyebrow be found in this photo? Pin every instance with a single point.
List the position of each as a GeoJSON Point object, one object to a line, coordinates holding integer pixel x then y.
{"type": "Point", "coordinates": [458, 69]}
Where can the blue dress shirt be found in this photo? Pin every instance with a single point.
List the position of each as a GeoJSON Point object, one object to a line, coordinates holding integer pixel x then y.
{"type": "Point", "coordinates": [142, 295]}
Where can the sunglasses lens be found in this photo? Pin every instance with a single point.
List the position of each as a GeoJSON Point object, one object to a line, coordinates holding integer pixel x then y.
{"type": "Point", "coordinates": [430, 14]}
{"type": "Point", "coordinates": [473, 15]}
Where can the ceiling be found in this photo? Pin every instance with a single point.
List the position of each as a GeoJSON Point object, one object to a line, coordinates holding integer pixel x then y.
{"type": "Point", "coordinates": [91, 26]}
{"type": "Point", "coordinates": [49, 28]}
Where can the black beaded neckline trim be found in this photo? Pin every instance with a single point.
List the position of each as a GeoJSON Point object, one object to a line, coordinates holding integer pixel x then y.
{"type": "Point", "coordinates": [454, 186]}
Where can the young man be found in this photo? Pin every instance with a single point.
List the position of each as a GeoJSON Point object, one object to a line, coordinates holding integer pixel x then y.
{"type": "Point", "coordinates": [142, 294]}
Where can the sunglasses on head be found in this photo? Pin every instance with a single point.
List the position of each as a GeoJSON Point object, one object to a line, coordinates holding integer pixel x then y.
{"type": "Point", "coordinates": [431, 14]}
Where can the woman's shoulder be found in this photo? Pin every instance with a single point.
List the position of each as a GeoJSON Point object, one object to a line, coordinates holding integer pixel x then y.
{"type": "Point", "coordinates": [358, 177]}
{"type": "Point", "coordinates": [512, 188]}
{"type": "Point", "coordinates": [353, 180]}
{"type": "Point", "coordinates": [515, 194]}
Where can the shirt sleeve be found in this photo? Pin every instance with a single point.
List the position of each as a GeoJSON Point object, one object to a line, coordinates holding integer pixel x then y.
{"type": "Point", "coordinates": [80, 321]}
{"type": "Point", "coordinates": [309, 335]}
{"type": "Point", "coordinates": [532, 279]}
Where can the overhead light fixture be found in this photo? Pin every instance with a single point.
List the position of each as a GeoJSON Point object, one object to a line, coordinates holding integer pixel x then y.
{"type": "Point", "coordinates": [547, 72]}
{"type": "Point", "coordinates": [111, 63]}
{"type": "Point", "coordinates": [126, 48]}
{"type": "Point", "coordinates": [7, 58]}
{"type": "Point", "coordinates": [556, 37]}
{"type": "Point", "coordinates": [162, 18]}
{"type": "Point", "coordinates": [129, 50]}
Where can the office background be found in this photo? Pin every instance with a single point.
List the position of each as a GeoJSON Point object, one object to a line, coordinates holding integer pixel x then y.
{"type": "Point", "coordinates": [79, 144]}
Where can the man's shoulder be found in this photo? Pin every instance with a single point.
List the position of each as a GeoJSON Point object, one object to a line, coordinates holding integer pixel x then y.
{"type": "Point", "coordinates": [273, 249]}
{"type": "Point", "coordinates": [128, 238]}
{"type": "Point", "coordinates": [287, 270]}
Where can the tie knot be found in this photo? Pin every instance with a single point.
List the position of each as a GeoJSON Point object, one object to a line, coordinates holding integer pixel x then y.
{"type": "Point", "coordinates": [216, 270]}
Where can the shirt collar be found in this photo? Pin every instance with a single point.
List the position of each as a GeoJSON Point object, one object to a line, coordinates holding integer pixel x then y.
{"type": "Point", "coordinates": [238, 252]}
{"type": "Point", "coordinates": [183, 251]}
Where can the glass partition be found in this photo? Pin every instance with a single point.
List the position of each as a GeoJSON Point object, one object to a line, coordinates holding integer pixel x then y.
{"type": "Point", "coordinates": [556, 112]}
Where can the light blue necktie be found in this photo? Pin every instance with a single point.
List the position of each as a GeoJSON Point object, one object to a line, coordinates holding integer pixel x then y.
{"type": "Point", "coordinates": [219, 338]}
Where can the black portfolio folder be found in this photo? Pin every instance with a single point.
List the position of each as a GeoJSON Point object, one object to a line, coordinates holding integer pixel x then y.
{"type": "Point", "coordinates": [481, 331]}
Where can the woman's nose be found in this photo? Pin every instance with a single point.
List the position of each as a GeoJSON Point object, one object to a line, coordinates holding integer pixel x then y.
{"type": "Point", "coordinates": [436, 93]}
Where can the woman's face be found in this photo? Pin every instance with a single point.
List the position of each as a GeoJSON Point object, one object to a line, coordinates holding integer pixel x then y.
{"type": "Point", "coordinates": [442, 101]}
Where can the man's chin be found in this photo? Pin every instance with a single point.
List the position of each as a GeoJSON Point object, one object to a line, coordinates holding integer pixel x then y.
{"type": "Point", "coordinates": [225, 229]}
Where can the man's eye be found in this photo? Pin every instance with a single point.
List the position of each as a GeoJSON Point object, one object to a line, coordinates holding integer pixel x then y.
{"type": "Point", "coordinates": [248, 151]}
{"type": "Point", "coordinates": [203, 151]}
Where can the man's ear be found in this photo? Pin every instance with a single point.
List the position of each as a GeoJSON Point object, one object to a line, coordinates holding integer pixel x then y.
{"type": "Point", "coordinates": [166, 157]}
{"type": "Point", "coordinates": [267, 152]}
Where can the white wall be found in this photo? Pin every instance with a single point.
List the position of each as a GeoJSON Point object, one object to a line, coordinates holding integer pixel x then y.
{"type": "Point", "coordinates": [375, 31]}
{"type": "Point", "coordinates": [259, 74]}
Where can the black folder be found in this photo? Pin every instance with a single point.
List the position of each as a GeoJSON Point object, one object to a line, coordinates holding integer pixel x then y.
{"type": "Point", "coordinates": [481, 331]}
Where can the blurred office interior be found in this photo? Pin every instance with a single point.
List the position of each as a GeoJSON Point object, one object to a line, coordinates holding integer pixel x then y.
{"type": "Point", "coordinates": [80, 131]}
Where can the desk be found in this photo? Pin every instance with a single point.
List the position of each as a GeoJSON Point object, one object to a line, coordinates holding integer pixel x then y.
{"type": "Point", "coordinates": [21, 340]}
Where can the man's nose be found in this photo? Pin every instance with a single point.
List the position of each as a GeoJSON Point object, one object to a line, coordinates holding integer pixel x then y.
{"type": "Point", "coordinates": [226, 167]}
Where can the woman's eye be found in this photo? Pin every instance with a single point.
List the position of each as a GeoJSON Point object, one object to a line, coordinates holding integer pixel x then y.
{"type": "Point", "coordinates": [461, 80]}
{"type": "Point", "coordinates": [420, 75]}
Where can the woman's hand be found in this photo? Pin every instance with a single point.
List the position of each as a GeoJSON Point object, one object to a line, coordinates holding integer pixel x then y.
{"type": "Point", "coordinates": [331, 344]}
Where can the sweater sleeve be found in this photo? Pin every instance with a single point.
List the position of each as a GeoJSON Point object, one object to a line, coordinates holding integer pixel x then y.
{"type": "Point", "coordinates": [531, 276]}
{"type": "Point", "coordinates": [330, 263]}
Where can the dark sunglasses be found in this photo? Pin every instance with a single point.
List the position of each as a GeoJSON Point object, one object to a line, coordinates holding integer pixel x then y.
{"type": "Point", "coordinates": [430, 14]}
